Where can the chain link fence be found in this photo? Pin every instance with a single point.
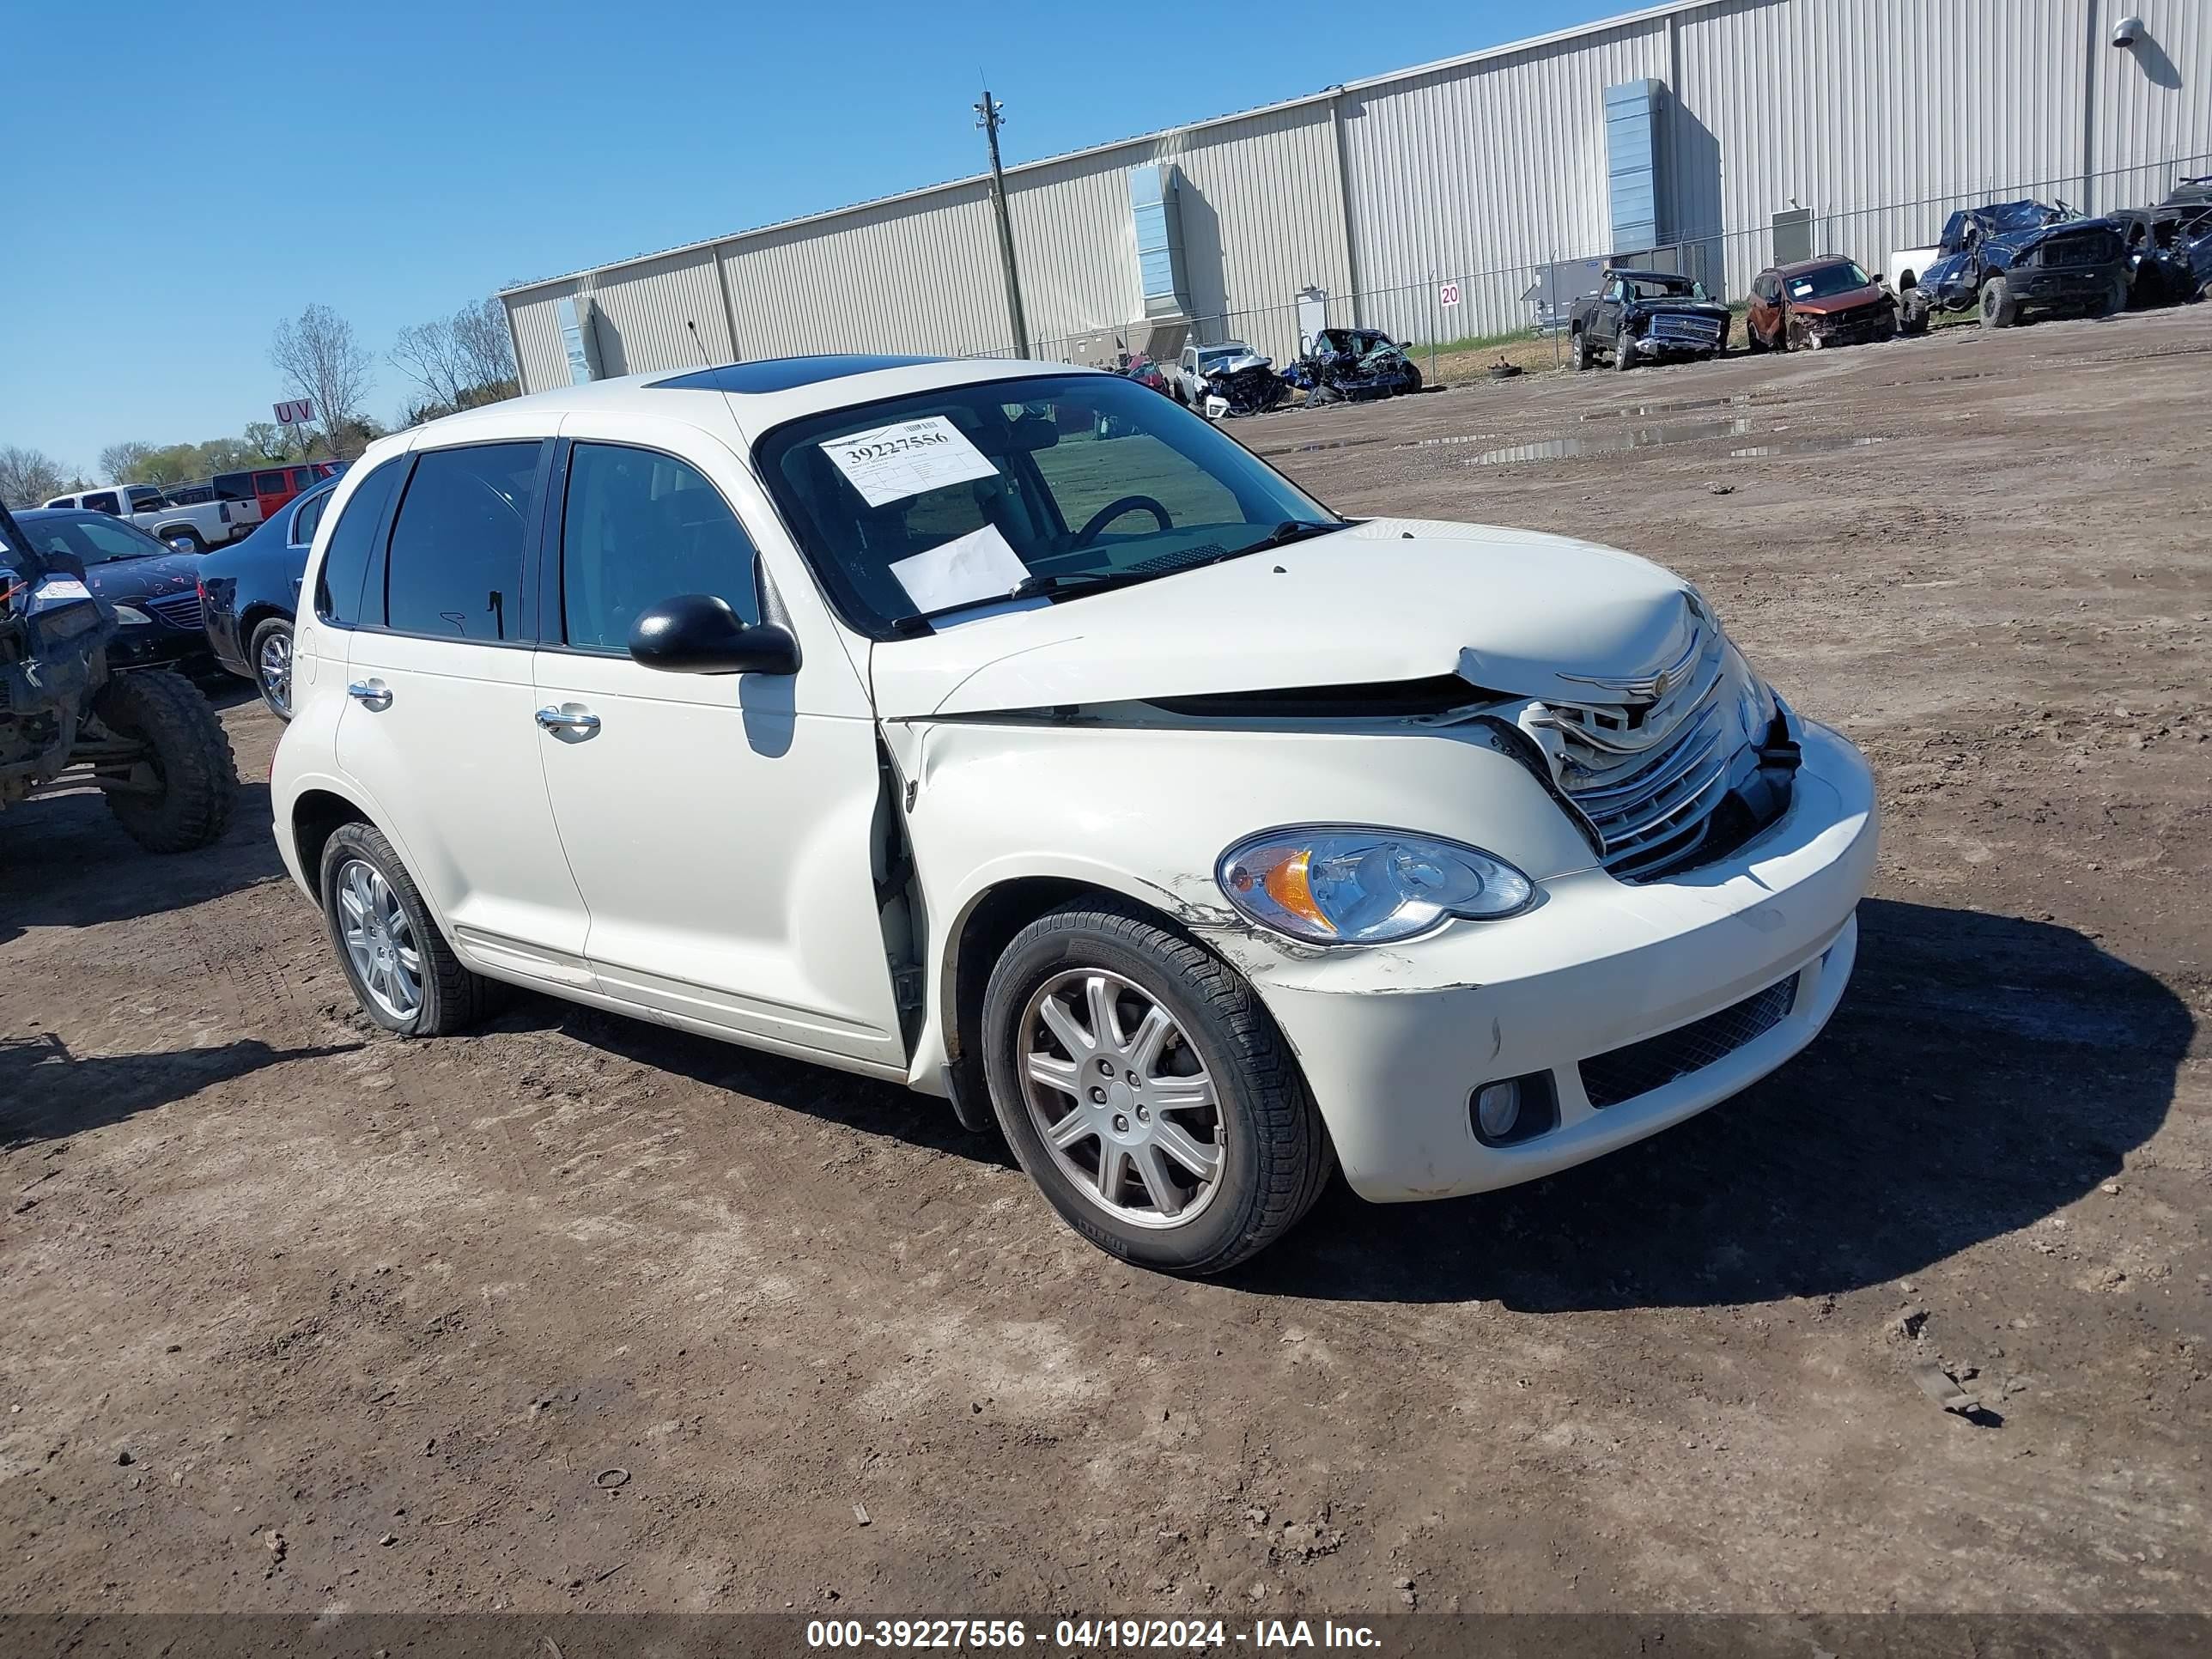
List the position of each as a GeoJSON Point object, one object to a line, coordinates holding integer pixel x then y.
{"type": "Point", "coordinates": [1448, 313]}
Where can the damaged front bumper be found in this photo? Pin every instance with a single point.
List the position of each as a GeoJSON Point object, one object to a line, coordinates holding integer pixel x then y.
{"type": "Point", "coordinates": [1619, 1009]}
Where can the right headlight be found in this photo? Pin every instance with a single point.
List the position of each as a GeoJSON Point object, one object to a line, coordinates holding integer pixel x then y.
{"type": "Point", "coordinates": [1350, 885]}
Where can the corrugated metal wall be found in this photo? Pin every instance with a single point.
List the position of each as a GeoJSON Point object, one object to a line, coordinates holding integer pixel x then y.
{"type": "Point", "coordinates": [1880, 115]}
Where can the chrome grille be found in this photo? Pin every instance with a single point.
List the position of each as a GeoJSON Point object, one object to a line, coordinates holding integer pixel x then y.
{"type": "Point", "coordinates": [1686, 331]}
{"type": "Point", "coordinates": [1648, 773]}
{"type": "Point", "coordinates": [178, 609]}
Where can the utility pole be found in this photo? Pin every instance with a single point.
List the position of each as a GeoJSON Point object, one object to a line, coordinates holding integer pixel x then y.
{"type": "Point", "coordinates": [990, 115]}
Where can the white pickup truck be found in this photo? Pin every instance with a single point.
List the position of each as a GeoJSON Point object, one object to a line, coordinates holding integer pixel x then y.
{"type": "Point", "coordinates": [192, 529]}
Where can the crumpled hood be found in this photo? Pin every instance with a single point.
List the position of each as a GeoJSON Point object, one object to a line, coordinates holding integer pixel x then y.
{"type": "Point", "coordinates": [1393, 599]}
{"type": "Point", "coordinates": [1828, 304]}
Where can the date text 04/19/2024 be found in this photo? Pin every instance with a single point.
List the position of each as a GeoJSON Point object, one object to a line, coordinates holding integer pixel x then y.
{"type": "Point", "coordinates": [1080, 1635]}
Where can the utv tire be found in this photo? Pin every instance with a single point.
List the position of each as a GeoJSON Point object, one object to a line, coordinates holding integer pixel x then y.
{"type": "Point", "coordinates": [270, 652]}
{"type": "Point", "coordinates": [1998, 310]}
{"type": "Point", "coordinates": [1582, 356]}
{"type": "Point", "coordinates": [1267, 1147]}
{"type": "Point", "coordinates": [188, 752]}
{"type": "Point", "coordinates": [368, 893]}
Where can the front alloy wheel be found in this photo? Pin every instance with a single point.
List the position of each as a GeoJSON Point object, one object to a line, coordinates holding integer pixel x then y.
{"type": "Point", "coordinates": [1121, 1099]}
{"type": "Point", "coordinates": [1145, 1089]}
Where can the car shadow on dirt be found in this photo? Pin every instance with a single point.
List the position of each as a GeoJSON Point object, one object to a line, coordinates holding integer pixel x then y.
{"type": "Point", "coordinates": [1983, 1072]}
{"type": "Point", "coordinates": [857, 1103]}
{"type": "Point", "coordinates": [64, 862]}
{"type": "Point", "coordinates": [47, 1093]}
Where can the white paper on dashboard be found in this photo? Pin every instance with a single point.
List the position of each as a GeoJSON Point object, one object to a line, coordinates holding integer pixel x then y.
{"type": "Point", "coordinates": [888, 463]}
{"type": "Point", "coordinates": [963, 571]}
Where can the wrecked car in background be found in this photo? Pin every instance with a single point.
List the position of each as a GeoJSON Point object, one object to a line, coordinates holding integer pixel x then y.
{"type": "Point", "coordinates": [1817, 302]}
{"type": "Point", "coordinates": [1353, 365]}
{"type": "Point", "coordinates": [2012, 259]}
{"type": "Point", "coordinates": [1642, 316]}
{"type": "Point", "coordinates": [2169, 252]}
{"type": "Point", "coordinates": [1245, 384]}
{"type": "Point", "coordinates": [1201, 841]}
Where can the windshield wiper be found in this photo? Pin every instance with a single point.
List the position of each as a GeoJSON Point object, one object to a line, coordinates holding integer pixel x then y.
{"type": "Point", "coordinates": [1291, 530]}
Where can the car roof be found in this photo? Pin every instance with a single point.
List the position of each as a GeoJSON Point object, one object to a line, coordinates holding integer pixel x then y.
{"type": "Point", "coordinates": [757, 396]}
{"type": "Point", "coordinates": [1648, 276]}
{"type": "Point", "coordinates": [1800, 267]}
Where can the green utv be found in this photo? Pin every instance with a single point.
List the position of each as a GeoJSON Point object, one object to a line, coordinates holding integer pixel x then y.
{"type": "Point", "coordinates": [144, 737]}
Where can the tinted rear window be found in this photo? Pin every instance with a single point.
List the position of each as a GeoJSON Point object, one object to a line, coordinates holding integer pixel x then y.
{"type": "Point", "coordinates": [234, 486]}
{"type": "Point", "coordinates": [345, 562]}
{"type": "Point", "coordinates": [455, 564]}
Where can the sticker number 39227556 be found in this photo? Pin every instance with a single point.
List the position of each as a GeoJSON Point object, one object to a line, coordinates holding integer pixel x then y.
{"type": "Point", "coordinates": [888, 463]}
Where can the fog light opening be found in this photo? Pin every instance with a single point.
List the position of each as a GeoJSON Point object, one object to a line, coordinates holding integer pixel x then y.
{"type": "Point", "coordinates": [1498, 1109]}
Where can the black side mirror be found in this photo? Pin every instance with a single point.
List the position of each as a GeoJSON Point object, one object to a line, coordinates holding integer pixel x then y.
{"type": "Point", "coordinates": [699, 633]}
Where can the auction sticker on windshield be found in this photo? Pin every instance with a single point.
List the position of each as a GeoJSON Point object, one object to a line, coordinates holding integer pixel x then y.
{"type": "Point", "coordinates": [890, 463]}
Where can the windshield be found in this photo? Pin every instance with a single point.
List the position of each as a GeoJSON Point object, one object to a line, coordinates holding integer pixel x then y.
{"type": "Point", "coordinates": [1664, 287]}
{"type": "Point", "coordinates": [1827, 282]}
{"type": "Point", "coordinates": [93, 538]}
{"type": "Point", "coordinates": [1057, 485]}
{"type": "Point", "coordinates": [1214, 355]}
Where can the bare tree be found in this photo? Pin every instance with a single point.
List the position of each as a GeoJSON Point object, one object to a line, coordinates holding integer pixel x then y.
{"type": "Point", "coordinates": [480, 332]}
{"type": "Point", "coordinates": [319, 359]}
{"type": "Point", "coordinates": [429, 355]}
{"type": "Point", "coordinates": [459, 362]}
{"type": "Point", "coordinates": [28, 476]}
{"type": "Point", "coordinates": [122, 462]}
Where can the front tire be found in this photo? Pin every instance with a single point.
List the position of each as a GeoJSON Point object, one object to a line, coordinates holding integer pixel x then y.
{"type": "Point", "coordinates": [1998, 309]}
{"type": "Point", "coordinates": [184, 540]}
{"type": "Point", "coordinates": [2115, 300]}
{"type": "Point", "coordinates": [270, 652]}
{"type": "Point", "coordinates": [404, 974]}
{"type": "Point", "coordinates": [1624, 351]}
{"type": "Point", "coordinates": [1147, 1091]}
{"type": "Point", "coordinates": [184, 789]}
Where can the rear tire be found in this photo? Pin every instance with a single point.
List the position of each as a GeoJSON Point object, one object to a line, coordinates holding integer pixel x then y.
{"type": "Point", "coordinates": [1213, 1040]}
{"type": "Point", "coordinates": [404, 974]}
{"type": "Point", "coordinates": [1998, 308]}
{"type": "Point", "coordinates": [187, 750]}
{"type": "Point", "coordinates": [1583, 356]}
{"type": "Point", "coordinates": [269, 654]}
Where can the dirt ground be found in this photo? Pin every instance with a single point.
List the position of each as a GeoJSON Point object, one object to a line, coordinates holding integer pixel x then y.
{"type": "Point", "coordinates": [298, 1317]}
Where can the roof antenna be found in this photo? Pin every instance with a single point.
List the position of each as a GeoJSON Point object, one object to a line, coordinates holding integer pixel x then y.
{"type": "Point", "coordinates": [697, 344]}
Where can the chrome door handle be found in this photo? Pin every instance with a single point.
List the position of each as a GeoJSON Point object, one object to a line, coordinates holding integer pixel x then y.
{"type": "Point", "coordinates": [581, 721]}
{"type": "Point", "coordinates": [371, 694]}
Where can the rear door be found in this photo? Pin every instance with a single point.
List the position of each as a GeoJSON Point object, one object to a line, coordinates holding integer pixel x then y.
{"type": "Point", "coordinates": [437, 725]}
{"type": "Point", "coordinates": [272, 489]}
{"type": "Point", "coordinates": [720, 827]}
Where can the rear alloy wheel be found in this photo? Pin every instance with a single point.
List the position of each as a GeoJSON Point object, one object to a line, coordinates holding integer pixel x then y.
{"type": "Point", "coordinates": [270, 653]}
{"type": "Point", "coordinates": [177, 795]}
{"type": "Point", "coordinates": [1147, 1093]}
{"type": "Point", "coordinates": [1582, 356]}
{"type": "Point", "coordinates": [405, 974]}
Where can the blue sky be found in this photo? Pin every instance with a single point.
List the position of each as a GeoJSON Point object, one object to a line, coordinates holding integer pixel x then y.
{"type": "Point", "coordinates": [396, 161]}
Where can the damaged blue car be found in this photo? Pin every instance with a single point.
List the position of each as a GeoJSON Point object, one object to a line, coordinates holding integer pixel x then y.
{"type": "Point", "coordinates": [2014, 260]}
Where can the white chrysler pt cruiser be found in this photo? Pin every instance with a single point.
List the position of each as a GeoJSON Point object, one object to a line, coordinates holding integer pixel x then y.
{"type": "Point", "coordinates": [1007, 731]}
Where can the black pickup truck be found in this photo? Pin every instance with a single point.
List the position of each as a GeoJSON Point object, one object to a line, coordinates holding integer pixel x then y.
{"type": "Point", "coordinates": [1641, 316]}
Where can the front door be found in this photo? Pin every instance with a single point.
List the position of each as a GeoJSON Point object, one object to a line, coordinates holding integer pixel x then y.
{"type": "Point", "coordinates": [720, 827]}
{"type": "Point", "coordinates": [439, 725]}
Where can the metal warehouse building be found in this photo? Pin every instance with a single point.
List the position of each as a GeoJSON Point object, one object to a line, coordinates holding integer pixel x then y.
{"type": "Point", "coordinates": [1450, 200]}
